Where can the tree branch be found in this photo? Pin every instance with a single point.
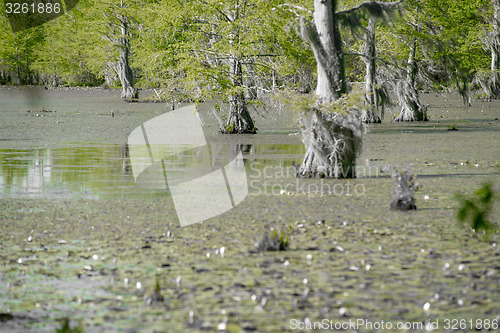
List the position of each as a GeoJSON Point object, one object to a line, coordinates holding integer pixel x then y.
{"type": "Point", "coordinates": [373, 7]}
{"type": "Point", "coordinates": [219, 55]}
{"type": "Point", "coordinates": [385, 62]}
{"type": "Point", "coordinates": [310, 34]}
{"type": "Point", "coordinates": [219, 11]}
{"type": "Point", "coordinates": [296, 7]}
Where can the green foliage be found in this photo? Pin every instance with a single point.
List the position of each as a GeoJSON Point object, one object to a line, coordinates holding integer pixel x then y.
{"type": "Point", "coordinates": [157, 285]}
{"type": "Point", "coordinates": [299, 103]}
{"type": "Point", "coordinates": [154, 297]}
{"type": "Point", "coordinates": [181, 48]}
{"type": "Point", "coordinates": [191, 46]}
{"type": "Point", "coordinates": [65, 327]}
{"type": "Point", "coordinates": [353, 17]}
{"type": "Point", "coordinates": [276, 237]}
{"type": "Point", "coordinates": [449, 38]}
{"type": "Point", "coordinates": [346, 104]}
{"type": "Point", "coordinates": [230, 128]}
{"type": "Point", "coordinates": [18, 52]}
{"type": "Point", "coordinates": [475, 210]}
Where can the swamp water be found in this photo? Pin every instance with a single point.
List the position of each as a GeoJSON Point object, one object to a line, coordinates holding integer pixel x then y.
{"type": "Point", "coordinates": [95, 171]}
{"type": "Point", "coordinates": [98, 260]}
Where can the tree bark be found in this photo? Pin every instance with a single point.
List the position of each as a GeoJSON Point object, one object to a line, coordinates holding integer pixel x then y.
{"type": "Point", "coordinates": [369, 114]}
{"type": "Point", "coordinates": [332, 140]}
{"type": "Point", "coordinates": [332, 143]}
{"type": "Point", "coordinates": [495, 45]}
{"type": "Point", "coordinates": [494, 86]}
{"type": "Point", "coordinates": [490, 80]}
{"type": "Point", "coordinates": [239, 119]}
{"type": "Point", "coordinates": [412, 108]}
{"type": "Point", "coordinates": [326, 43]}
{"type": "Point", "coordinates": [122, 68]}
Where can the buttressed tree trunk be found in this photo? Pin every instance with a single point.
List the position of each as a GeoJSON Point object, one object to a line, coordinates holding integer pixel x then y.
{"type": "Point", "coordinates": [331, 139]}
{"type": "Point", "coordinates": [239, 119]}
{"type": "Point", "coordinates": [122, 68]}
{"type": "Point", "coordinates": [412, 108]}
{"type": "Point", "coordinates": [370, 113]}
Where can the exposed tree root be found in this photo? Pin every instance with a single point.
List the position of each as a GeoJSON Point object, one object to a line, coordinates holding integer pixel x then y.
{"type": "Point", "coordinates": [332, 142]}
{"type": "Point", "coordinates": [490, 84]}
{"type": "Point", "coordinates": [411, 107]}
{"type": "Point", "coordinates": [239, 120]}
{"type": "Point", "coordinates": [370, 116]}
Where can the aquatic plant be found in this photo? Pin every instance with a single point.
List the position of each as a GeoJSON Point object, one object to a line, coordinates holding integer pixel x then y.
{"type": "Point", "coordinates": [276, 237]}
{"type": "Point", "coordinates": [42, 110]}
{"type": "Point", "coordinates": [155, 297]}
{"type": "Point", "coordinates": [5, 317]}
{"type": "Point", "coordinates": [65, 328]}
{"type": "Point", "coordinates": [476, 209]}
{"type": "Point", "coordinates": [405, 188]}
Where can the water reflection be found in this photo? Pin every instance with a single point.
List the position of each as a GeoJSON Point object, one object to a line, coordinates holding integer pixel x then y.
{"type": "Point", "coordinates": [98, 171]}
{"type": "Point", "coordinates": [90, 171]}
{"type": "Point", "coordinates": [171, 151]}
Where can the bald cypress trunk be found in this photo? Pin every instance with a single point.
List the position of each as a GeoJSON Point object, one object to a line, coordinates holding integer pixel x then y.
{"type": "Point", "coordinates": [239, 119]}
{"type": "Point", "coordinates": [325, 40]}
{"type": "Point", "coordinates": [122, 68]}
{"type": "Point", "coordinates": [489, 80]}
{"type": "Point", "coordinates": [495, 45]}
{"type": "Point", "coordinates": [370, 113]}
{"type": "Point", "coordinates": [494, 83]}
{"type": "Point", "coordinates": [412, 108]}
{"type": "Point", "coordinates": [332, 140]}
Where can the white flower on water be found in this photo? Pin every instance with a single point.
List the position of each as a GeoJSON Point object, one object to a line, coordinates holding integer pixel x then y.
{"type": "Point", "coordinates": [427, 306]}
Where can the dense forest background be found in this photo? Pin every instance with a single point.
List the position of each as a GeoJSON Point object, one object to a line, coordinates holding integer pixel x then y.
{"type": "Point", "coordinates": [190, 50]}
